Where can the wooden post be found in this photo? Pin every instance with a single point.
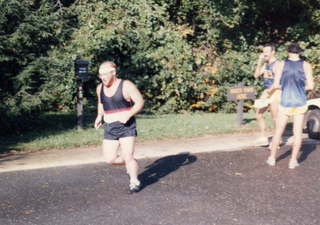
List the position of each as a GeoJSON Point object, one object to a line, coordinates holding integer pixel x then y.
{"type": "Point", "coordinates": [239, 94]}
{"type": "Point", "coordinates": [240, 107]}
{"type": "Point", "coordinates": [81, 73]}
{"type": "Point", "coordinates": [240, 112]}
{"type": "Point", "coordinates": [79, 105]}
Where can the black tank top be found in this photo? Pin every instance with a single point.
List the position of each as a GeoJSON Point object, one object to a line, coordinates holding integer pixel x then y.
{"type": "Point", "coordinates": [116, 103]}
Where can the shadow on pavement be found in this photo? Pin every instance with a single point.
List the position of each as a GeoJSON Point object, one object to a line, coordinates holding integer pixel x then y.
{"type": "Point", "coordinates": [164, 166]}
{"type": "Point", "coordinates": [305, 151]}
{"type": "Point", "coordinates": [10, 157]}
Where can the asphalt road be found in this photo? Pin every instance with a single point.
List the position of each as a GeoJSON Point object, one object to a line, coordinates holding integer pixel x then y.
{"type": "Point", "coordinates": [222, 188]}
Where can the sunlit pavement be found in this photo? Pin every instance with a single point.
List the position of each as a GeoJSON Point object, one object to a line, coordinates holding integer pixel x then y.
{"type": "Point", "coordinates": [222, 188]}
{"type": "Point", "coordinates": [144, 150]}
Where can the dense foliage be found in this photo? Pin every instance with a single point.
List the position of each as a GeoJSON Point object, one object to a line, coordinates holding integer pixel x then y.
{"type": "Point", "coordinates": [182, 54]}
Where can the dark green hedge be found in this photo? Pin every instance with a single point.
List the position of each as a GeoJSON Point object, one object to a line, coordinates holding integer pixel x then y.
{"type": "Point", "coordinates": [183, 55]}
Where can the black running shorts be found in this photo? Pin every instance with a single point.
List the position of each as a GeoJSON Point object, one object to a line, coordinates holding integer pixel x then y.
{"type": "Point", "coordinates": [116, 130]}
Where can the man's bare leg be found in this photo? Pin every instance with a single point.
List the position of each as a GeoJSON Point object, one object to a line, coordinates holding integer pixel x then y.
{"type": "Point", "coordinates": [110, 152]}
{"type": "Point", "coordinates": [127, 151]}
{"type": "Point", "coordinates": [263, 140]}
{"type": "Point", "coordinates": [274, 108]}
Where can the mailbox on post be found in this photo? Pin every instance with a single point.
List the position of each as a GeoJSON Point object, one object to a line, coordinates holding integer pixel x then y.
{"type": "Point", "coordinates": [81, 69]}
{"type": "Point", "coordinates": [82, 74]}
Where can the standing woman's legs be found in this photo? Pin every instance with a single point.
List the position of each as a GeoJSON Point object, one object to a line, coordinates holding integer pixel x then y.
{"type": "Point", "coordinates": [281, 123]}
{"type": "Point", "coordinates": [297, 134]}
{"type": "Point", "coordinates": [127, 150]}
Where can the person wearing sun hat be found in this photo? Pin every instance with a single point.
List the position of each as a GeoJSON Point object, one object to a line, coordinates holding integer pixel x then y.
{"type": "Point", "coordinates": [294, 77]}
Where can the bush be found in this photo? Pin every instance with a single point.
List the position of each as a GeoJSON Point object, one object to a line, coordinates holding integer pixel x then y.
{"type": "Point", "coordinates": [183, 55]}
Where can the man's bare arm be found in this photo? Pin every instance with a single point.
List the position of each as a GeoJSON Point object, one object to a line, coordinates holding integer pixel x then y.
{"type": "Point", "coordinates": [100, 110]}
{"type": "Point", "coordinates": [135, 95]}
{"type": "Point", "coordinates": [259, 67]}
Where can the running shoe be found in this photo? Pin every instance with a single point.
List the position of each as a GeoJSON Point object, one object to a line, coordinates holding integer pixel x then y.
{"type": "Point", "coordinates": [293, 164]}
{"type": "Point", "coordinates": [271, 162]}
{"type": "Point", "coordinates": [134, 188]}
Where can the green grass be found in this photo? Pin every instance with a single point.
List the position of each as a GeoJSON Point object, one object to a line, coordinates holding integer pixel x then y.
{"type": "Point", "coordinates": [58, 130]}
{"type": "Point", "coordinates": [193, 124]}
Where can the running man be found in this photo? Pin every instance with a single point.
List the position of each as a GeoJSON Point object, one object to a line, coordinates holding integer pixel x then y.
{"type": "Point", "coordinates": [118, 101]}
{"type": "Point", "coordinates": [265, 67]}
{"type": "Point", "coordinates": [295, 77]}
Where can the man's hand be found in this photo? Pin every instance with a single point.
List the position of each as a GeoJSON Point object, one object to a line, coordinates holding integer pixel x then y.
{"type": "Point", "coordinates": [98, 122]}
{"type": "Point", "coordinates": [261, 57]}
{"type": "Point", "coordinates": [271, 90]}
{"type": "Point", "coordinates": [260, 64]}
{"type": "Point", "coordinates": [309, 87]}
{"type": "Point", "coordinates": [261, 60]}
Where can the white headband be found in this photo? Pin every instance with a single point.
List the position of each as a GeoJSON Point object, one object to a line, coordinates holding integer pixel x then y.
{"type": "Point", "coordinates": [105, 70]}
